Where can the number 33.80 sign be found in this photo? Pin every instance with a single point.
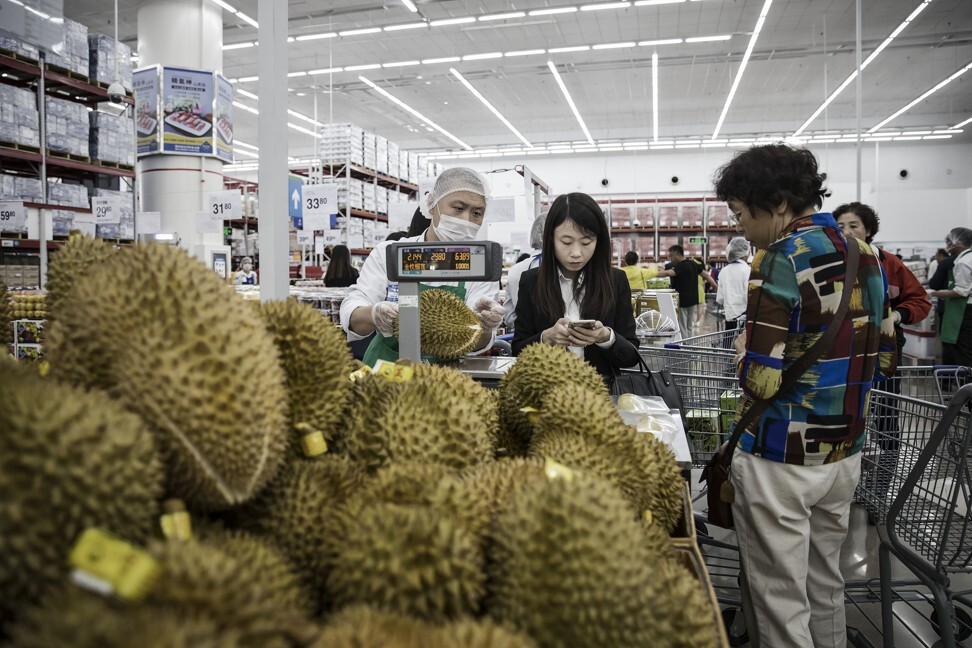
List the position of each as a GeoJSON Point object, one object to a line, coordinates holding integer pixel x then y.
{"type": "Point", "coordinates": [319, 200]}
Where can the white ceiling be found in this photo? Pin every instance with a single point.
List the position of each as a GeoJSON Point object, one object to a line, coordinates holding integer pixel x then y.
{"type": "Point", "coordinates": [804, 51]}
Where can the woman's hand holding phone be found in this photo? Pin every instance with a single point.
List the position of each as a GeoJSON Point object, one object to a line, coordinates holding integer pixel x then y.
{"type": "Point", "coordinates": [587, 332]}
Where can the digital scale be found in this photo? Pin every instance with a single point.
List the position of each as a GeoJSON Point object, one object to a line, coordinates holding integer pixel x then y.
{"type": "Point", "coordinates": [412, 263]}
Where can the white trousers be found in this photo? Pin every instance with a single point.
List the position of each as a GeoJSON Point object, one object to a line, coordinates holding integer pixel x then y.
{"type": "Point", "coordinates": [686, 320]}
{"type": "Point", "coordinates": [791, 522]}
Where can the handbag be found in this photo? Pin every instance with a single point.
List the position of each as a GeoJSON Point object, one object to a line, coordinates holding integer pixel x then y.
{"type": "Point", "coordinates": [717, 473]}
{"type": "Point", "coordinates": [645, 382]}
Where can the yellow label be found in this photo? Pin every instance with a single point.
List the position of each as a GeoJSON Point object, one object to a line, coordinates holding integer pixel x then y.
{"type": "Point", "coordinates": [314, 444]}
{"type": "Point", "coordinates": [647, 516]}
{"type": "Point", "coordinates": [394, 371]}
{"type": "Point", "coordinates": [176, 525]}
{"type": "Point", "coordinates": [360, 373]}
{"type": "Point", "coordinates": [556, 470]}
{"type": "Point", "coordinates": [129, 571]}
{"type": "Point", "coordinates": [532, 414]}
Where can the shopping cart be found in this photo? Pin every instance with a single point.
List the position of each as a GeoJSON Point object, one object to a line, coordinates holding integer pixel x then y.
{"type": "Point", "coordinates": [717, 340]}
{"type": "Point", "coordinates": [921, 500]}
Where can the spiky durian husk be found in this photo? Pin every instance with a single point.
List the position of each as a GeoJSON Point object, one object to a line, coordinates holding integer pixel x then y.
{"type": "Point", "coordinates": [316, 361]}
{"type": "Point", "coordinates": [569, 568]}
{"type": "Point", "coordinates": [485, 401]}
{"type": "Point", "coordinates": [174, 343]}
{"type": "Point", "coordinates": [300, 513]}
{"type": "Point", "coordinates": [538, 370]}
{"type": "Point", "coordinates": [69, 460]}
{"type": "Point", "coordinates": [427, 420]}
{"type": "Point", "coordinates": [478, 634]}
{"type": "Point", "coordinates": [6, 318]}
{"type": "Point", "coordinates": [449, 328]}
{"type": "Point", "coordinates": [361, 626]}
{"type": "Point", "coordinates": [411, 560]}
{"type": "Point", "coordinates": [681, 607]}
{"type": "Point", "coordinates": [71, 617]}
{"type": "Point", "coordinates": [72, 261]}
{"type": "Point", "coordinates": [407, 483]}
{"type": "Point", "coordinates": [583, 429]}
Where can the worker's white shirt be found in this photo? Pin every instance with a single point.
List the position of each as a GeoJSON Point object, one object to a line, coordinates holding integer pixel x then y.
{"type": "Point", "coordinates": [513, 285]}
{"type": "Point", "coordinates": [373, 286]}
{"type": "Point", "coordinates": [734, 288]}
{"type": "Point", "coordinates": [963, 275]}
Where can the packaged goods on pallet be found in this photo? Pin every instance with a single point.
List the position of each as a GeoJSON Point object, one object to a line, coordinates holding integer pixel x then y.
{"type": "Point", "coordinates": [342, 143]}
{"type": "Point", "coordinates": [18, 116]}
{"type": "Point", "coordinates": [381, 154]}
{"type": "Point", "coordinates": [67, 127]}
{"type": "Point", "coordinates": [126, 228]}
{"type": "Point", "coordinates": [413, 168]}
{"type": "Point", "coordinates": [109, 61]}
{"type": "Point", "coordinates": [403, 172]}
{"type": "Point", "coordinates": [381, 200]}
{"type": "Point", "coordinates": [112, 138]}
{"type": "Point", "coordinates": [63, 222]}
{"type": "Point", "coordinates": [370, 160]}
{"type": "Point", "coordinates": [393, 167]}
{"type": "Point", "coordinates": [19, 188]}
{"type": "Point", "coordinates": [72, 53]}
{"type": "Point", "coordinates": [69, 195]}
{"type": "Point", "coordinates": [17, 46]}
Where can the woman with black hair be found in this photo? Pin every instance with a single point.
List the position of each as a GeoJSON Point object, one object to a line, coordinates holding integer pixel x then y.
{"type": "Point", "coordinates": [575, 281]}
{"type": "Point", "coordinates": [340, 272]}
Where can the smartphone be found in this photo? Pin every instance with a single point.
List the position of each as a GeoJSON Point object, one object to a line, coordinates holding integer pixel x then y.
{"type": "Point", "coordinates": [588, 324]}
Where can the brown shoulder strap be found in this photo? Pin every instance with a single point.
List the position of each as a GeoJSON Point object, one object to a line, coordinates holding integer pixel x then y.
{"type": "Point", "coordinates": [804, 362]}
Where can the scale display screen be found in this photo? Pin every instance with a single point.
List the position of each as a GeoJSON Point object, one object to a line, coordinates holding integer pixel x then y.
{"type": "Point", "coordinates": [418, 260]}
{"type": "Point", "coordinates": [465, 261]}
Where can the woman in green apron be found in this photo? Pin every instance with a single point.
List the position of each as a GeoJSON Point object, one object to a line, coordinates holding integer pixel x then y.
{"type": "Point", "coordinates": [957, 316]}
{"type": "Point", "coordinates": [456, 206]}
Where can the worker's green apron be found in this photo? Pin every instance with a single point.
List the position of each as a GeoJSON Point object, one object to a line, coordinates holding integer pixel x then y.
{"type": "Point", "coordinates": [386, 348]}
{"type": "Point", "coordinates": [954, 310]}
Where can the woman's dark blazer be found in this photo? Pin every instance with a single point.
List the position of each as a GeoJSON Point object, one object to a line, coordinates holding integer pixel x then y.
{"type": "Point", "coordinates": [530, 322]}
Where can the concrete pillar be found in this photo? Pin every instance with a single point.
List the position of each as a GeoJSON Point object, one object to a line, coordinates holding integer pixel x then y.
{"type": "Point", "coordinates": [180, 33]}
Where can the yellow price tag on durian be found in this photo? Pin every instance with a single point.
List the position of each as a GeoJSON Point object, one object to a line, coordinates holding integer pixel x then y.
{"type": "Point", "coordinates": [313, 444]}
{"type": "Point", "coordinates": [107, 564]}
{"type": "Point", "coordinates": [394, 371]}
{"type": "Point", "coordinates": [556, 470]}
{"type": "Point", "coordinates": [358, 374]}
{"type": "Point", "coordinates": [176, 525]}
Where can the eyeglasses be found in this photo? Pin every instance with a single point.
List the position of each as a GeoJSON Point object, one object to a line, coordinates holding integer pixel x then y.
{"type": "Point", "coordinates": [735, 216]}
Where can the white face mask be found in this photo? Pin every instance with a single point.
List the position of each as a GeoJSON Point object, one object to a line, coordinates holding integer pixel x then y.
{"type": "Point", "coordinates": [455, 229]}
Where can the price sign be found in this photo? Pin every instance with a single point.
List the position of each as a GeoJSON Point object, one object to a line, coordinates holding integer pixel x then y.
{"type": "Point", "coordinates": [305, 237]}
{"type": "Point", "coordinates": [225, 205]}
{"type": "Point", "coordinates": [319, 200]}
{"type": "Point", "coordinates": [501, 210]}
{"type": "Point", "coordinates": [331, 237]}
{"type": "Point", "coordinates": [318, 245]}
{"type": "Point", "coordinates": [13, 216]}
{"type": "Point", "coordinates": [106, 209]}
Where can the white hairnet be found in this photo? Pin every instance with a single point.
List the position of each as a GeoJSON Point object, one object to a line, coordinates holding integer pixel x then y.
{"type": "Point", "coordinates": [453, 180]}
{"type": "Point", "coordinates": [738, 248]}
{"type": "Point", "coordinates": [536, 231]}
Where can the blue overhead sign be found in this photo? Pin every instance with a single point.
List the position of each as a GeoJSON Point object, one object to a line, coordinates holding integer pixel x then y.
{"type": "Point", "coordinates": [295, 198]}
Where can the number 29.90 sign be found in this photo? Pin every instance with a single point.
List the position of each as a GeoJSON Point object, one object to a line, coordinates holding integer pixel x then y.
{"type": "Point", "coordinates": [106, 209]}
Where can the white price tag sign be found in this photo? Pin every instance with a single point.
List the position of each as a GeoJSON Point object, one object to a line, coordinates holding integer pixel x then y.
{"type": "Point", "coordinates": [318, 245]}
{"type": "Point", "coordinates": [305, 237]}
{"type": "Point", "coordinates": [379, 235]}
{"type": "Point", "coordinates": [501, 210]}
{"type": "Point", "coordinates": [225, 204]}
{"type": "Point", "coordinates": [106, 209]}
{"type": "Point", "coordinates": [400, 215]}
{"type": "Point", "coordinates": [331, 237]}
{"type": "Point", "coordinates": [13, 216]}
{"type": "Point", "coordinates": [317, 222]}
{"type": "Point", "coordinates": [319, 200]}
{"type": "Point", "coordinates": [84, 223]}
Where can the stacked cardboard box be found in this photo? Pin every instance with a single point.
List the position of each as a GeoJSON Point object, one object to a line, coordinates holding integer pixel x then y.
{"type": "Point", "coordinates": [413, 168]}
{"type": "Point", "coordinates": [403, 164]}
{"type": "Point", "coordinates": [112, 138]}
{"type": "Point", "coordinates": [19, 121]}
{"type": "Point", "coordinates": [370, 197]}
{"type": "Point", "coordinates": [17, 46]}
{"type": "Point", "coordinates": [341, 143]}
{"type": "Point", "coordinates": [109, 61]}
{"type": "Point", "coordinates": [69, 195]}
{"type": "Point", "coordinates": [370, 154]}
{"type": "Point", "coordinates": [67, 127]}
{"type": "Point", "coordinates": [72, 52]}
{"type": "Point", "coordinates": [381, 202]}
{"type": "Point", "coordinates": [20, 188]}
{"type": "Point", "coordinates": [393, 163]}
{"type": "Point", "coordinates": [381, 154]}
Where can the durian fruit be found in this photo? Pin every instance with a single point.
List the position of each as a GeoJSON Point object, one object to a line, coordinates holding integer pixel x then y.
{"type": "Point", "coordinates": [300, 513]}
{"type": "Point", "coordinates": [406, 483]}
{"type": "Point", "coordinates": [450, 329]}
{"type": "Point", "coordinates": [6, 318]}
{"type": "Point", "coordinates": [568, 567]}
{"type": "Point", "coordinates": [485, 401]}
{"type": "Point", "coordinates": [69, 460]}
{"type": "Point", "coordinates": [538, 370]}
{"type": "Point", "coordinates": [174, 343]}
{"type": "Point", "coordinates": [317, 362]}
{"type": "Point", "coordinates": [583, 429]}
{"type": "Point", "coordinates": [408, 559]}
{"type": "Point", "coordinates": [468, 633]}
{"type": "Point", "coordinates": [361, 626]}
{"type": "Point", "coordinates": [428, 419]}
{"type": "Point", "coordinates": [476, 495]}
{"type": "Point", "coordinates": [681, 612]}
{"type": "Point", "coordinates": [72, 261]}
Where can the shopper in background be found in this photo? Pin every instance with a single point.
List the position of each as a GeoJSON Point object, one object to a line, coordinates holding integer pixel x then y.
{"type": "Point", "coordinates": [513, 276]}
{"type": "Point", "coordinates": [637, 276]}
{"type": "Point", "coordinates": [340, 273]}
{"type": "Point", "coordinates": [957, 319]}
{"type": "Point", "coordinates": [456, 207]}
{"type": "Point", "coordinates": [685, 280]}
{"type": "Point", "coordinates": [246, 275]}
{"type": "Point", "coordinates": [705, 279]}
{"type": "Point", "coordinates": [797, 466]}
{"type": "Point", "coordinates": [940, 255]}
{"type": "Point", "coordinates": [420, 222]}
{"type": "Point", "coordinates": [575, 281]}
{"type": "Point", "coordinates": [734, 283]}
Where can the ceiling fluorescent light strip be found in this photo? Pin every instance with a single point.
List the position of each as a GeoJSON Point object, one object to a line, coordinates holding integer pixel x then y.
{"type": "Point", "coordinates": [307, 119]}
{"type": "Point", "coordinates": [225, 5]}
{"type": "Point", "coordinates": [964, 123]}
{"type": "Point", "coordinates": [564, 50]}
{"type": "Point", "coordinates": [245, 145]}
{"type": "Point", "coordinates": [924, 96]}
{"type": "Point", "coordinates": [502, 16]}
{"type": "Point", "coordinates": [236, 46]}
{"type": "Point", "coordinates": [654, 96]}
{"type": "Point", "coordinates": [552, 11]}
{"type": "Point", "coordinates": [708, 39]}
{"type": "Point", "coordinates": [398, 102]}
{"type": "Point", "coordinates": [604, 46]}
{"type": "Point", "coordinates": [492, 109]}
{"type": "Point", "coordinates": [605, 5]}
{"type": "Point", "coordinates": [242, 16]}
{"type": "Point", "coordinates": [873, 55]}
{"type": "Point", "coordinates": [400, 64]}
{"type": "Point", "coordinates": [742, 67]}
{"type": "Point", "coordinates": [410, 5]}
{"type": "Point", "coordinates": [367, 66]}
{"type": "Point", "coordinates": [480, 57]}
{"type": "Point", "coordinates": [651, 3]}
{"type": "Point", "coordinates": [525, 52]}
{"type": "Point", "coordinates": [309, 37]}
{"type": "Point", "coordinates": [325, 70]}
{"type": "Point", "coordinates": [360, 32]}
{"type": "Point", "coordinates": [452, 21]}
{"type": "Point", "coordinates": [445, 59]}
{"type": "Point", "coordinates": [663, 41]}
{"type": "Point", "coordinates": [570, 101]}
{"type": "Point", "coordinates": [414, 25]}
{"type": "Point", "coordinates": [242, 152]}
{"type": "Point", "coordinates": [301, 129]}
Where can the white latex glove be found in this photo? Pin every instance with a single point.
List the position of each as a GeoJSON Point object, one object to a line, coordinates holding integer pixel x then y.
{"type": "Point", "coordinates": [384, 314]}
{"type": "Point", "coordinates": [489, 312]}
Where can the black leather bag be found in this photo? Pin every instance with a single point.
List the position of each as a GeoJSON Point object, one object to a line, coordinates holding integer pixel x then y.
{"type": "Point", "coordinates": [717, 474]}
{"type": "Point", "coordinates": [644, 382]}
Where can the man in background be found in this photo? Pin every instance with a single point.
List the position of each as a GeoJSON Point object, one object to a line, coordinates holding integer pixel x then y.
{"type": "Point", "coordinates": [685, 275]}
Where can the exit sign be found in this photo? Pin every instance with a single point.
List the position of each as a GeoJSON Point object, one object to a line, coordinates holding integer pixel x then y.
{"type": "Point", "coordinates": [698, 240]}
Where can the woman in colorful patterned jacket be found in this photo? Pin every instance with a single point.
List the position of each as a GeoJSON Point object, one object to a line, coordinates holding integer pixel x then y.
{"type": "Point", "coordinates": [796, 467]}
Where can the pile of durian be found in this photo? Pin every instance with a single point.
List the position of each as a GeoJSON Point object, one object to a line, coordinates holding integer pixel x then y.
{"type": "Point", "coordinates": [267, 491]}
{"type": "Point", "coordinates": [29, 306]}
{"type": "Point", "coordinates": [6, 318]}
